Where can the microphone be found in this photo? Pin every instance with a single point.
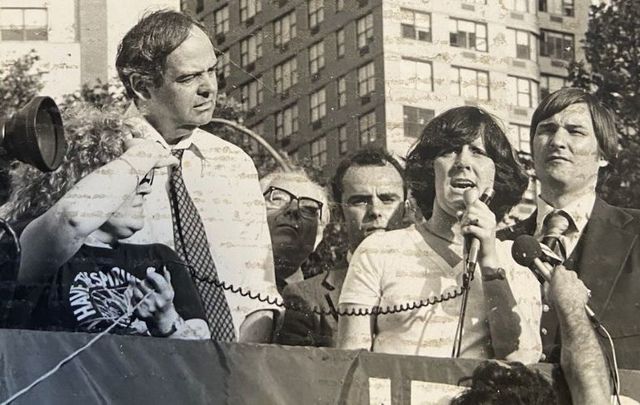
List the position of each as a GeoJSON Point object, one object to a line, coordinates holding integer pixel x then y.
{"type": "Point", "coordinates": [526, 251]}
{"type": "Point", "coordinates": [474, 246]}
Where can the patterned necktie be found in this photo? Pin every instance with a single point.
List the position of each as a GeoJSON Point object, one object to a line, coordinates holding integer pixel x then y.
{"type": "Point", "coordinates": [192, 246]}
{"type": "Point", "coordinates": [555, 225]}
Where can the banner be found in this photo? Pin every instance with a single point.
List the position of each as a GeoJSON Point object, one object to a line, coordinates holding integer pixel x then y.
{"type": "Point", "coordinates": [126, 370]}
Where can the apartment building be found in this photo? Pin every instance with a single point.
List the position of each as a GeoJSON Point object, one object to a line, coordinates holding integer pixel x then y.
{"type": "Point", "coordinates": [322, 78]}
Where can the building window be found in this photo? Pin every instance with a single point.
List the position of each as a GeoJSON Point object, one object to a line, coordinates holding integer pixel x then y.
{"type": "Point", "coordinates": [518, 5]}
{"type": "Point", "coordinates": [286, 75]}
{"type": "Point", "coordinates": [364, 30]}
{"type": "Point", "coordinates": [339, 5]}
{"type": "Point", "coordinates": [557, 7]}
{"type": "Point", "coordinates": [287, 122]}
{"type": "Point", "coordinates": [366, 79]}
{"type": "Point", "coordinates": [251, 49]}
{"type": "Point", "coordinates": [556, 45]}
{"type": "Point", "coordinates": [23, 24]}
{"type": "Point", "coordinates": [468, 34]}
{"type": "Point", "coordinates": [415, 120]}
{"type": "Point", "coordinates": [416, 25]}
{"type": "Point", "coordinates": [249, 8]}
{"type": "Point", "coordinates": [549, 84]}
{"type": "Point", "coordinates": [340, 42]}
{"type": "Point", "coordinates": [251, 95]}
{"type": "Point", "coordinates": [524, 44]}
{"type": "Point", "coordinates": [284, 29]}
{"type": "Point", "coordinates": [223, 67]}
{"type": "Point", "coordinates": [318, 105]}
{"type": "Point", "coordinates": [343, 143]}
{"type": "Point", "coordinates": [316, 12]}
{"type": "Point", "coordinates": [367, 128]}
{"type": "Point", "coordinates": [319, 151]}
{"type": "Point", "coordinates": [522, 136]}
{"type": "Point", "coordinates": [416, 74]}
{"type": "Point", "coordinates": [221, 20]}
{"type": "Point", "coordinates": [524, 92]}
{"type": "Point", "coordinates": [316, 57]}
{"type": "Point", "coordinates": [470, 83]}
{"type": "Point", "coordinates": [342, 91]}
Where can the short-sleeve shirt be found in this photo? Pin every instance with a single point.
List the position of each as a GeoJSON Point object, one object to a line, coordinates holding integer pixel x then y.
{"type": "Point", "coordinates": [91, 291]}
{"type": "Point", "coordinates": [408, 266]}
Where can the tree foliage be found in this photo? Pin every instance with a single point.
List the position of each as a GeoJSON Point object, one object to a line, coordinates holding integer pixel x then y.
{"type": "Point", "coordinates": [612, 72]}
{"type": "Point", "coordinates": [100, 95]}
{"type": "Point", "coordinates": [20, 83]}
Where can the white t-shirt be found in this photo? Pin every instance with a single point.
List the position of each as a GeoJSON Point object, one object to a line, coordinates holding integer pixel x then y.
{"type": "Point", "coordinates": [409, 265]}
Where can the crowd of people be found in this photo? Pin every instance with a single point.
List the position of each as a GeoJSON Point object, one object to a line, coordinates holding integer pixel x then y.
{"type": "Point", "coordinates": [149, 216]}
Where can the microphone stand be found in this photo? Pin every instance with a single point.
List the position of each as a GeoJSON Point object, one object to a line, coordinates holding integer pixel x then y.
{"type": "Point", "coordinates": [467, 276]}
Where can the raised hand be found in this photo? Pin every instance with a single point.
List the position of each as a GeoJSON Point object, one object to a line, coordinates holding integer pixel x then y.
{"type": "Point", "coordinates": [155, 295]}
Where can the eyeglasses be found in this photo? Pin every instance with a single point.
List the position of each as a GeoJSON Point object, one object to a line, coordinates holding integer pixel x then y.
{"type": "Point", "coordinates": [148, 178]}
{"type": "Point", "coordinates": [278, 198]}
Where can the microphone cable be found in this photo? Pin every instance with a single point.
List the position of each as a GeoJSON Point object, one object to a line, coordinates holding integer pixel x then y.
{"type": "Point", "coordinates": [409, 306]}
{"type": "Point", "coordinates": [75, 353]}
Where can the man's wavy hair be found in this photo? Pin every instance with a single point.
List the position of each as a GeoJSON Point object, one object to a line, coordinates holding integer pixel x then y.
{"type": "Point", "coordinates": [602, 117]}
{"type": "Point", "coordinates": [493, 383]}
{"type": "Point", "coordinates": [94, 137]}
{"type": "Point", "coordinates": [145, 48]}
{"type": "Point", "coordinates": [451, 130]}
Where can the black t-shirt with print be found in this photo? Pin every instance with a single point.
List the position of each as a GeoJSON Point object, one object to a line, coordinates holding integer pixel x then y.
{"type": "Point", "coordinates": [90, 292]}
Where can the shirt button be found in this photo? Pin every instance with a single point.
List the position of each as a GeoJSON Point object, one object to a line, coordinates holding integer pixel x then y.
{"type": "Point", "coordinates": [545, 308]}
{"type": "Point", "coordinates": [544, 331]}
{"type": "Point", "coordinates": [543, 357]}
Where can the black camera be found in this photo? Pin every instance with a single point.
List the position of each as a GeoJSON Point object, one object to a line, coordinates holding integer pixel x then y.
{"type": "Point", "coordinates": [35, 135]}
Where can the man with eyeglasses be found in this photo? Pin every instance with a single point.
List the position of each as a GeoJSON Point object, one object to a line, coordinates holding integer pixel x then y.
{"type": "Point", "coordinates": [297, 213]}
{"type": "Point", "coordinates": [370, 191]}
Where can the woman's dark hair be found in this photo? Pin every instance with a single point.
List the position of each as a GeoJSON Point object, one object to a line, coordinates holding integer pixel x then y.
{"type": "Point", "coordinates": [493, 383]}
{"type": "Point", "coordinates": [451, 130]}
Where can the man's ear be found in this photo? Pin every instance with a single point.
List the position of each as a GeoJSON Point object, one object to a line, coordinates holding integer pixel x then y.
{"type": "Point", "coordinates": [140, 86]}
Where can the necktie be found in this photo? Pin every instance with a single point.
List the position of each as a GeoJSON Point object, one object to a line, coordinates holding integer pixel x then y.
{"type": "Point", "coordinates": [192, 246]}
{"type": "Point", "coordinates": [555, 225]}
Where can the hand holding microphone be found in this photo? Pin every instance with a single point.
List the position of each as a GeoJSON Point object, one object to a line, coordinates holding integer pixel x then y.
{"type": "Point", "coordinates": [566, 290]}
{"type": "Point", "coordinates": [479, 224]}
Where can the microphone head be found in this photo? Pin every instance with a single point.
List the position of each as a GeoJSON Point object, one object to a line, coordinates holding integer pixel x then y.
{"type": "Point", "coordinates": [525, 250]}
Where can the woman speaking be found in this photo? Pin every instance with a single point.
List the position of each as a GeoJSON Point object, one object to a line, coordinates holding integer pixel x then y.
{"type": "Point", "coordinates": [460, 154]}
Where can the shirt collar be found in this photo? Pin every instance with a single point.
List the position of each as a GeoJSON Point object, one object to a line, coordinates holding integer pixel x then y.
{"type": "Point", "coordinates": [134, 116]}
{"type": "Point", "coordinates": [578, 210]}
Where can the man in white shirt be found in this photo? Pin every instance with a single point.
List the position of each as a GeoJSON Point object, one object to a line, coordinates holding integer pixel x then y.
{"type": "Point", "coordinates": [573, 138]}
{"type": "Point", "coordinates": [167, 65]}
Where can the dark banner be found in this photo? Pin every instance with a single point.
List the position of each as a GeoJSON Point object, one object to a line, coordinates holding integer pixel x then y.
{"type": "Point", "coordinates": [142, 370]}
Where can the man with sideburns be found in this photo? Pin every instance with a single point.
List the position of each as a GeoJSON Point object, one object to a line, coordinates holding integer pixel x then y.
{"type": "Point", "coordinates": [573, 140]}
